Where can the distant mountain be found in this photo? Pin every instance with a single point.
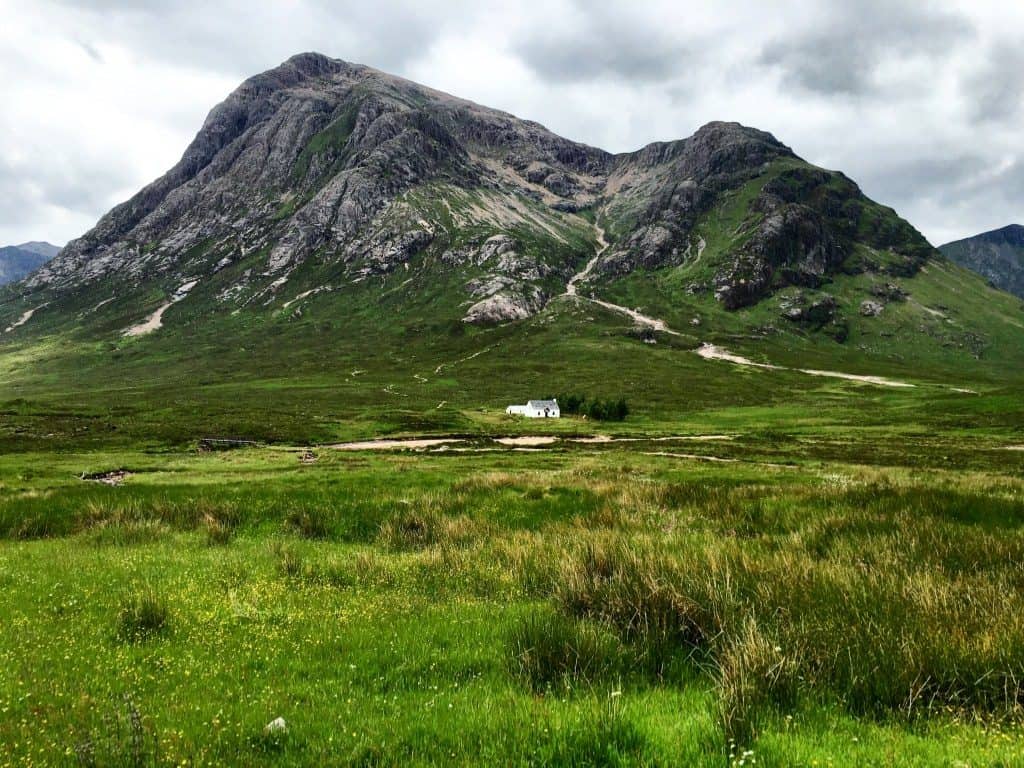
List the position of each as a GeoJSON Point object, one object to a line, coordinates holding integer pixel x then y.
{"type": "Point", "coordinates": [17, 261]}
{"type": "Point", "coordinates": [998, 256]}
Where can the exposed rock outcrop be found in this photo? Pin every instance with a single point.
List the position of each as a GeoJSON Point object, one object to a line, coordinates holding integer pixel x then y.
{"type": "Point", "coordinates": [869, 308]}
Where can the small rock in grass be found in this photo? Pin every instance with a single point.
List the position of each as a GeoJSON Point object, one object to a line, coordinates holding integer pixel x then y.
{"type": "Point", "coordinates": [870, 308]}
{"type": "Point", "coordinates": [276, 726]}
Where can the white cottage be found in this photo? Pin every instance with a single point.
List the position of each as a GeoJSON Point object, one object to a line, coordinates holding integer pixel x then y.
{"type": "Point", "coordinates": [535, 409]}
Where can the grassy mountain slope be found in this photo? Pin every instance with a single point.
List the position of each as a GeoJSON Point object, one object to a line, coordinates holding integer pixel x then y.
{"type": "Point", "coordinates": [341, 251]}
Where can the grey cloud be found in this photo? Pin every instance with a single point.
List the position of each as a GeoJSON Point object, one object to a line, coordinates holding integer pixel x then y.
{"type": "Point", "coordinates": [996, 91]}
{"type": "Point", "coordinates": [91, 51]}
{"type": "Point", "coordinates": [940, 176]}
{"type": "Point", "coordinates": [75, 186]}
{"type": "Point", "coordinates": [612, 74]}
{"type": "Point", "coordinates": [245, 38]}
{"type": "Point", "coordinates": [839, 55]}
{"type": "Point", "coordinates": [607, 44]}
{"type": "Point", "coordinates": [1006, 184]}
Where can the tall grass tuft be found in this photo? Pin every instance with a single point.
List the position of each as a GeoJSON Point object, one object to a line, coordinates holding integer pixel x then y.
{"type": "Point", "coordinates": [427, 525]}
{"type": "Point", "coordinates": [602, 736]}
{"type": "Point", "coordinates": [410, 530]}
{"type": "Point", "coordinates": [143, 614]}
{"type": "Point", "coordinates": [290, 562]}
{"type": "Point", "coordinates": [641, 596]}
{"type": "Point", "coordinates": [310, 523]}
{"type": "Point", "coordinates": [550, 651]}
{"type": "Point", "coordinates": [219, 531]}
{"type": "Point", "coordinates": [754, 673]}
{"type": "Point", "coordinates": [127, 533]}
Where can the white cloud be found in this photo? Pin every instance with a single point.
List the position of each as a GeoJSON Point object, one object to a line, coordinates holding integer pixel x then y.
{"type": "Point", "coordinates": [919, 103]}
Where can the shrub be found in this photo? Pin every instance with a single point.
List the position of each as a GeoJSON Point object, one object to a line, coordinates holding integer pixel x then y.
{"type": "Point", "coordinates": [548, 650]}
{"type": "Point", "coordinates": [601, 410]}
{"type": "Point", "coordinates": [570, 404]}
{"type": "Point", "coordinates": [607, 410]}
{"type": "Point", "coordinates": [143, 614]}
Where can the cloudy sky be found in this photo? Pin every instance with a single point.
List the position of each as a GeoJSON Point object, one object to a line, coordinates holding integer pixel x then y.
{"type": "Point", "coordinates": [919, 101]}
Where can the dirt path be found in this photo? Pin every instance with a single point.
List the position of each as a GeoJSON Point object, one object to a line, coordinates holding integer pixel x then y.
{"type": "Point", "coordinates": [485, 443]}
{"type": "Point", "coordinates": [24, 318]}
{"type": "Point", "coordinates": [442, 366]}
{"type": "Point", "coordinates": [706, 350]}
{"type": "Point", "coordinates": [711, 352]}
{"type": "Point", "coordinates": [156, 320]}
{"type": "Point", "coordinates": [570, 289]}
{"type": "Point", "coordinates": [881, 381]}
{"type": "Point", "coordinates": [537, 443]}
{"type": "Point", "coordinates": [385, 445]}
{"type": "Point", "coordinates": [527, 441]}
{"type": "Point", "coordinates": [638, 317]}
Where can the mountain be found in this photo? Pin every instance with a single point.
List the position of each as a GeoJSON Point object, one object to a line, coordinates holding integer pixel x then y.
{"type": "Point", "coordinates": [998, 256]}
{"type": "Point", "coordinates": [17, 261]}
{"type": "Point", "coordinates": [329, 219]}
{"type": "Point", "coordinates": [338, 163]}
{"type": "Point", "coordinates": [40, 248]}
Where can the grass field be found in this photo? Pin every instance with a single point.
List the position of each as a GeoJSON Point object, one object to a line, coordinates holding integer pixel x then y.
{"type": "Point", "coordinates": [810, 601]}
{"type": "Point", "coordinates": [831, 575]}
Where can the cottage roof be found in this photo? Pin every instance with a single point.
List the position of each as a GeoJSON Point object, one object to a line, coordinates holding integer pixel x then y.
{"type": "Point", "coordinates": [541, 404]}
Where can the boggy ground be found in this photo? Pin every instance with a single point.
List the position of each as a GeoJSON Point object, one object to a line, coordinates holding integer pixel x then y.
{"type": "Point", "coordinates": [589, 604]}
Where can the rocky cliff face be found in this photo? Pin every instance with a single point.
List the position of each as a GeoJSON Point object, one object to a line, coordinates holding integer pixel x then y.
{"type": "Point", "coordinates": [998, 256]}
{"type": "Point", "coordinates": [321, 171]}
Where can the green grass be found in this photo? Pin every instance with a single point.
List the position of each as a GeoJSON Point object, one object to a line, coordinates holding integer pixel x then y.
{"type": "Point", "coordinates": [830, 576]}
{"type": "Point", "coordinates": [579, 606]}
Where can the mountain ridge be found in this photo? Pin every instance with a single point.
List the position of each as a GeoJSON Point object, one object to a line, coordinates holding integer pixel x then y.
{"type": "Point", "coordinates": [997, 255]}
{"type": "Point", "coordinates": [18, 261]}
{"type": "Point", "coordinates": [451, 139]}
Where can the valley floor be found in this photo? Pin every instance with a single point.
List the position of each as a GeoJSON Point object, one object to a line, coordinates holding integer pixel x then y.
{"type": "Point", "coordinates": [831, 598]}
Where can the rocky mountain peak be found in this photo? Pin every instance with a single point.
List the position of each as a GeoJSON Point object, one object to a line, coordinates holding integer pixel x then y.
{"type": "Point", "coordinates": [320, 164]}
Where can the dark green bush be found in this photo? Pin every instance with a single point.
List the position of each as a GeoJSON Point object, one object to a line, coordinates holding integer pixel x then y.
{"type": "Point", "coordinates": [600, 410]}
